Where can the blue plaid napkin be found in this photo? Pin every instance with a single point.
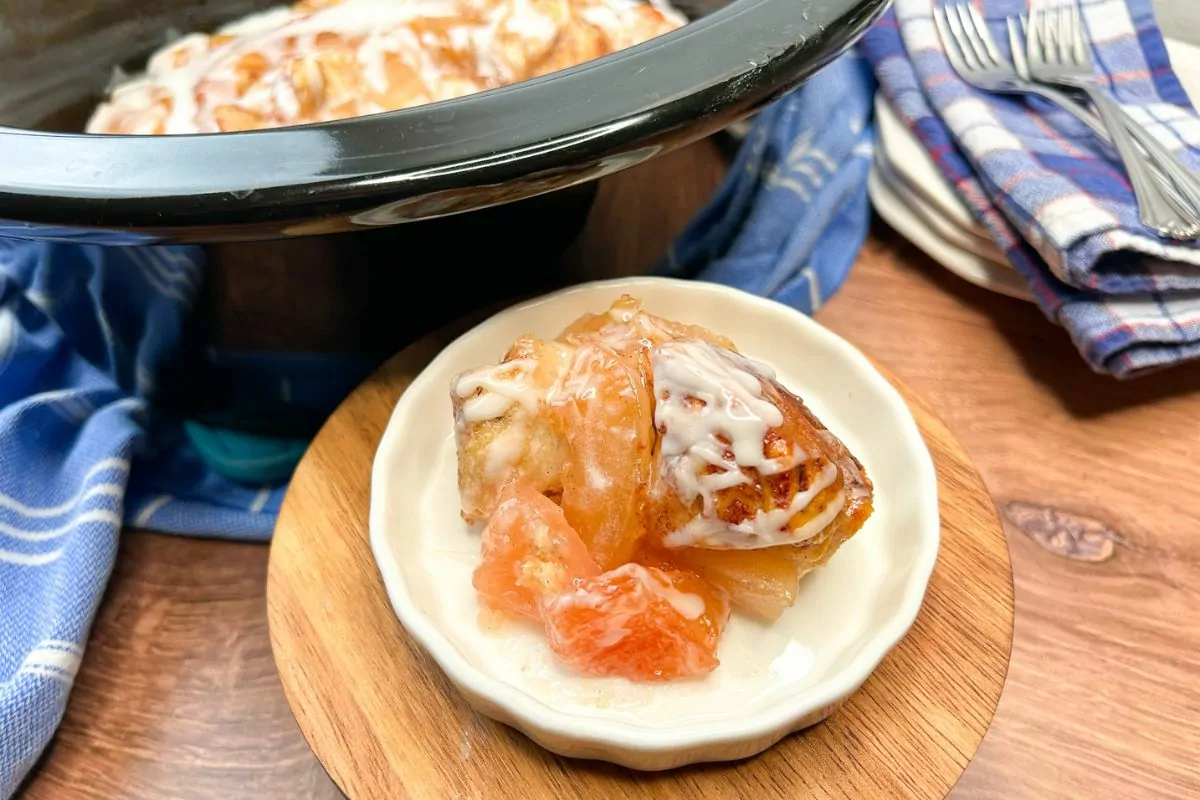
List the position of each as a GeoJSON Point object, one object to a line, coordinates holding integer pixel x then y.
{"type": "Point", "coordinates": [83, 330]}
{"type": "Point", "coordinates": [792, 214]}
{"type": "Point", "coordinates": [1060, 210]}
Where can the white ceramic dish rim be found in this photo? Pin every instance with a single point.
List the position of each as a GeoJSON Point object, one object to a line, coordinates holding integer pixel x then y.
{"type": "Point", "coordinates": [520, 705]}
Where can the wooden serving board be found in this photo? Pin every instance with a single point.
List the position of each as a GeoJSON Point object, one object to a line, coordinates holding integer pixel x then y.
{"type": "Point", "coordinates": [386, 723]}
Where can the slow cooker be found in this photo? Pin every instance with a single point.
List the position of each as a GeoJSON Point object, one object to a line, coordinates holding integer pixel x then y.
{"type": "Point", "coordinates": [456, 156]}
{"type": "Point", "coordinates": [401, 220]}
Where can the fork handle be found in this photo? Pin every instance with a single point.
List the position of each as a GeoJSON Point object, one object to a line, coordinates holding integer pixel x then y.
{"type": "Point", "coordinates": [1072, 106]}
{"type": "Point", "coordinates": [1159, 204]}
{"type": "Point", "coordinates": [1155, 209]}
{"type": "Point", "coordinates": [1186, 197]}
{"type": "Point", "coordinates": [1155, 193]}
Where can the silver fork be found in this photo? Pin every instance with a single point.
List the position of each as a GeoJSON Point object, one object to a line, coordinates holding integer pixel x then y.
{"type": "Point", "coordinates": [1058, 52]}
{"type": "Point", "coordinates": [974, 56]}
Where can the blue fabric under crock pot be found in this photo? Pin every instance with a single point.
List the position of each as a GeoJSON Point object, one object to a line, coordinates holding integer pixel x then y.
{"type": "Point", "coordinates": [792, 215]}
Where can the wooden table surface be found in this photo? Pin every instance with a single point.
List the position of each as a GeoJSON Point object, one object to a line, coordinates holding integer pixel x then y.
{"type": "Point", "coordinates": [1095, 479]}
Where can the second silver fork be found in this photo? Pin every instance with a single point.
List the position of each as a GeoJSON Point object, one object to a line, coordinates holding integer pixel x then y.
{"type": "Point", "coordinates": [973, 54]}
{"type": "Point", "coordinates": [1058, 52]}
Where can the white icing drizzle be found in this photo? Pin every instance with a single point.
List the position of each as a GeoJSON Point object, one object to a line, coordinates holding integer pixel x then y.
{"type": "Point", "coordinates": [531, 24]}
{"type": "Point", "coordinates": [504, 385]}
{"type": "Point", "coordinates": [506, 449]}
{"type": "Point", "coordinates": [687, 605]}
{"type": "Point", "coordinates": [508, 388]}
{"type": "Point", "coordinates": [578, 381]}
{"type": "Point", "coordinates": [767, 528]}
{"type": "Point", "coordinates": [472, 45]}
{"type": "Point", "coordinates": [711, 412]}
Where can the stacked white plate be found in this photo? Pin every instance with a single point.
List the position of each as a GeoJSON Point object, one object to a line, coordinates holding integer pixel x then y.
{"type": "Point", "coordinates": [912, 196]}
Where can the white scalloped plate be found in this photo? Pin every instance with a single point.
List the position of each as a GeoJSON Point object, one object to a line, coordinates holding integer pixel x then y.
{"type": "Point", "coordinates": [773, 679]}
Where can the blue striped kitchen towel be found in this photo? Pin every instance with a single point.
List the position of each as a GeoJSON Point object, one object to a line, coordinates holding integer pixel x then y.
{"type": "Point", "coordinates": [791, 217]}
{"type": "Point", "coordinates": [83, 330]}
{"type": "Point", "coordinates": [1057, 205]}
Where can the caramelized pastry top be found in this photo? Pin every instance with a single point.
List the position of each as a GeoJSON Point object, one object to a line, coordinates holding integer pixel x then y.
{"type": "Point", "coordinates": [667, 417]}
{"type": "Point", "coordinates": [638, 477]}
{"type": "Point", "coordinates": [321, 60]}
{"type": "Point", "coordinates": [720, 430]}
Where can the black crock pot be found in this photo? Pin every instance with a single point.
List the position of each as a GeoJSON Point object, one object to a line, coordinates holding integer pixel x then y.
{"type": "Point", "coordinates": [474, 152]}
{"type": "Point", "coordinates": [387, 225]}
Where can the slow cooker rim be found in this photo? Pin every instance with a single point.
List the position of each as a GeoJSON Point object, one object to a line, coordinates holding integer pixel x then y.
{"type": "Point", "coordinates": [63, 178]}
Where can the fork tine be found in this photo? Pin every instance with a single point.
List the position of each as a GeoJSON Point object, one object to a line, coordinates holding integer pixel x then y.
{"type": "Point", "coordinates": [954, 19]}
{"type": "Point", "coordinates": [1017, 46]}
{"type": "Point", "coordinates": [967, 29]}
{"type": "Point", "coordinates": [1079, 38]}
{"type": "Point", "coordinates": [1058, 31]}
{"type": "Point", "coordinates": [953, 54]}
{"type": "Point", "coordinates": [985, 35]}
{"type": "Point", "coordinates": [1066, 26]}
{"type": "Point", "coordinates": [1037, 46]}
{"type": "Point", "coordinates": [1029, 32]}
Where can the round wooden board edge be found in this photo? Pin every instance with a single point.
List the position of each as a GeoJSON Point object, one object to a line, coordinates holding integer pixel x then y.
{"type": "Point", "coordinates": [405, 365]}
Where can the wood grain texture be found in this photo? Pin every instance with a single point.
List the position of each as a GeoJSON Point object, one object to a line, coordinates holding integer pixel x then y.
{"type": "Point", "coordinates": [1103, 690]}
{"type": "Point", "coordinates": [1103, 695]}
{"type": "Point", "coordinates": [179, 696]}
{"type": "Point", "coordinates": [385, 722]}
